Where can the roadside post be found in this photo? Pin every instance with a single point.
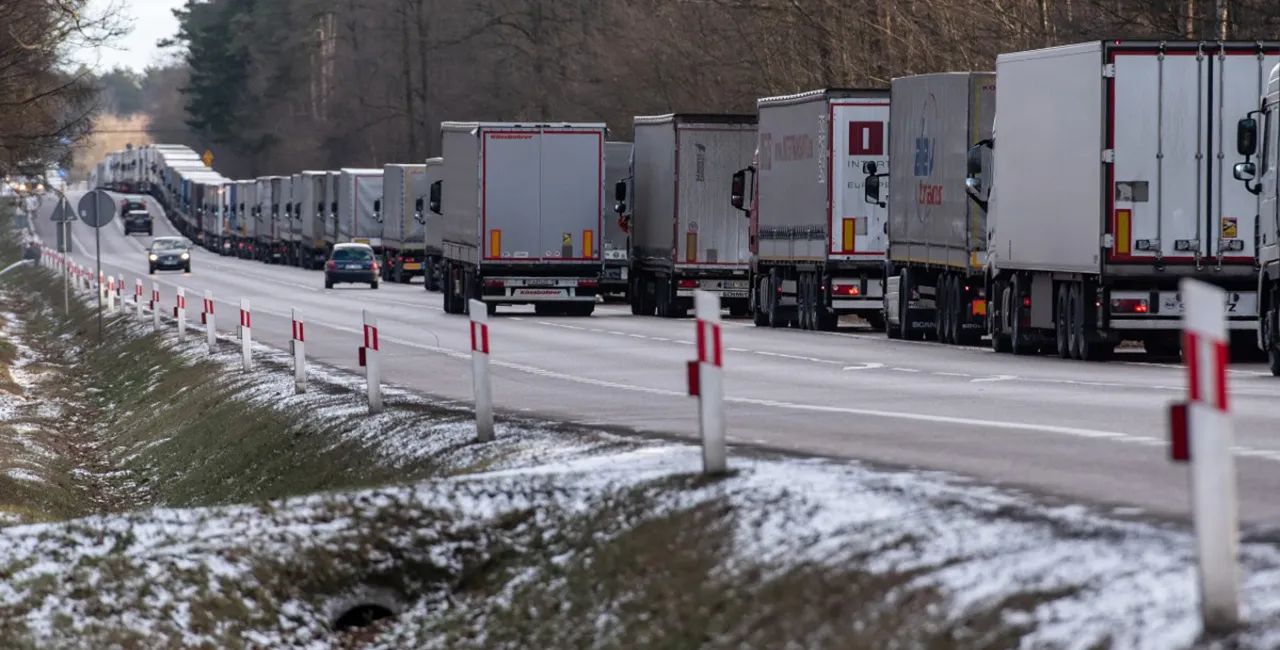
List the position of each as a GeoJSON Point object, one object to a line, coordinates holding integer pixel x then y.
{"type": "Point", "coordinates": [180, 313]}
{"type": "Point", "coordinates": [1201, 434]}
{"type": "Point", "coordinates": [155, 306]}
{"type": "Point", "coordinates": [369, 359]}
{"type": "Point", "coordinates": [111, 294]}
{"type": "Point", "coordinates": [210, 324]}
{"type": "Point", "coordinates": [137, 298]}
{"type": "Point", "coordinates": [299, 343]}
{"type": "Point", "coordinates": [480, 382]}
{"type": "Point", "coordinates": [246, 335]}
{"type": "Point", "coordinates": [706, 382]}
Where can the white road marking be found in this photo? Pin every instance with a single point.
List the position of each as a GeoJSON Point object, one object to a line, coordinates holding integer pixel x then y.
{"type": "Point", "coordinates": [992, 379]}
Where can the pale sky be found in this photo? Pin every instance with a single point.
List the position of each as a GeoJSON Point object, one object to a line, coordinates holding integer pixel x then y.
{"type": "Point", "coordinates": [151, 20]}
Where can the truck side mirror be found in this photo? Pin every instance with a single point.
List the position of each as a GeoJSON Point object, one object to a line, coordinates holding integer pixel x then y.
{"type": "Point", "coordinates": [320, 207]}
{"type": "Point", "coordinates": [433, 197]}
{"type": "Point", "coordinates": [1247, 137]}
{"type": "Point", "coordinates": [333, 208]}
{"type": "Point", "coordinates": [871, 190]}
{"type": "Point", "coordinates": [973, 161]}
{"type": "Point", "coordinates": [870, 168]}
{"type": "Point", "coordinates": [620, 191]}
{"type": "Point", "coordinates": [738, 189]}
{"type": "Point", "coordinates": [417, 204]}
{"type": "Point", "coordinates": [377, 205]}
{"type": "Point", "coordinates": [1245, 171]}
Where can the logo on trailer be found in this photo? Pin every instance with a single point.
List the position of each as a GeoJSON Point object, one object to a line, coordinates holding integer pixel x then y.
{"type": "Point", "coordinates": [866, 138]}
{"type": "Point", "coordinates": [927, 194]}
{"type": "Point", "coordinates": [701, 164]}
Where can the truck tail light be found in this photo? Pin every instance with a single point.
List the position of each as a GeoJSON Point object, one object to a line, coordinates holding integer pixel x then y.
{"type": "Point", "coordinates": [586, 283]}
{"type": "Point", "coordinates": [846, 290]}
{"type": "Point", "coordinates": [1129, 305]}
{"type": "Point", "coordinates": [688, 284]}
{"type": "Point", "coordinates": [493, 284]}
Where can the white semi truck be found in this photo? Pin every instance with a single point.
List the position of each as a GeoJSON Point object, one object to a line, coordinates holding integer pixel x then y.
{"type": "Point", "coordinates": [1110, 184]}
{"type": "Point", "coordinates": [683, 236]}
{"type": "Point", "coordinates": [818, 248]}
{"type": "Point", "coordinates": [1259, 179]}
{"type": "Point", "coordinates": [522, 207]}
{"type": "Point", "coordinates": [313, 210]}
{"type": "Point", "coordinates": [937, 254]}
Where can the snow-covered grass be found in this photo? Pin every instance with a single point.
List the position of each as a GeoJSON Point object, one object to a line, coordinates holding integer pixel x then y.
{"type": "Point", "coordinates": [553, 536]}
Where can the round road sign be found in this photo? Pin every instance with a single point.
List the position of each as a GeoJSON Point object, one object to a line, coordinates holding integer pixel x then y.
{"type": "Point", "coordinates": [96, 208]}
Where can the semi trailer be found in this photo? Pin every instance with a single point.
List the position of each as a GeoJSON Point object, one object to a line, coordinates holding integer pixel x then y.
{"type": "Point", "coordinates": [817, 247]}
{"type": "Point", "coordinates": [1110, 185]}
{"type": "Point", "coordinates": [522, 208]}
{"type": "Point", "coordinates": [313, 212]}
{"type": "Point", "coordinates": [404, 188]}
{"type": "Point", "coordinates": [935, 275]}
{"type": "Point", "coordinates": [359, 207]}
{"type": "Point", "coordinates": [683, 236]}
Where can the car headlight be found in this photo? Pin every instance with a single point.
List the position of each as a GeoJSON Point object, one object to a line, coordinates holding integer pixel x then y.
{"type": "Point", "coordinates": [185, 256]}
{"type": "Point", "coordinates": [152, 258]}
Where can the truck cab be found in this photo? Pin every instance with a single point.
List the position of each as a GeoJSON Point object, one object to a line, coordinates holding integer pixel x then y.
{"type": "Point", "coordinates": [1260, 179]}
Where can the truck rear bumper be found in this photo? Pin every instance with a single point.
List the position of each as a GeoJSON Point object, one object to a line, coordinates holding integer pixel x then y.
{"type": "Point", "coordinates": [527, 290]}
{"type": "Point", "coordinates": [1162, 310]}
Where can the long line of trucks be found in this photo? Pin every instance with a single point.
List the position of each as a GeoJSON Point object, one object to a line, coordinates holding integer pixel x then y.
{"type": "Point", "coordinates": [1115, 177]}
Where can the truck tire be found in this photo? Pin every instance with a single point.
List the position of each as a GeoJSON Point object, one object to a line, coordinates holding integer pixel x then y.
{"type": "Point", "coordinates": [758, 316]}
{"type": "Point", "coordinates": [773, 310]}
{"type": "Point", "coordinates": [1018, 338]}
{"type": "Point", "coordinates": [1273, 360]}
{"type": "Point", "coordinates": [941, 305]}
{"type": "Point", "coordinates": [1061, 321]}
{"type": "Point", "coordinates": [804, 302]}
{"type": "Point", "coordinates": [996, 317]}
{"type": "Point", "coordinates": [904, 302]}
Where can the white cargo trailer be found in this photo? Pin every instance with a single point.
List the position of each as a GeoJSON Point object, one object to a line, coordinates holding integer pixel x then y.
{"type": "Point", "coordinates": [1267, 230]}
{"type": "Point", "coordinates": [246, 201]}
{"type": "Point", "coordinates": [331, 179]}
{"type": "Point", "coordinates": [615, 278]}
{"type": "Point", "coordinates": [523, 207]}
{"type": "Point", "coordinates": [1110, 185]}
{"type": "Point", "coordinates": [432, 226]}
{"type": "Point", "coordinates": [312, 211]}
{"type": "Point", "coordinates": [404, 189]}
{"type": "Point", "coordinates": [683, 236]}
{"type": "Point", "coordinates": [359, 207]}
{"type": "Point", "coordinates": [818, 248]}
{"type": "Point", "coordinates": [935, 285]}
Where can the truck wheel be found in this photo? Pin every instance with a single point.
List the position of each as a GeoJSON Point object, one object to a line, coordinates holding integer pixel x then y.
{"type": "Point", "coordinates": [904, 302]}
{"type": "Point", "coordinates": [758, 316]}
{"type": "Point", "coordinates": [1060, 322]}
{"type": "Point", "coordinates": [773, 309]}
{"type": "Point", "coordinates": [957, 315]}
{"type": "Point", "coordinates": [941, 304]}
{"type": "Point", "coordinates": [635, 296]}
{"type": "Point", "coordinates": [1273, 360]}
{"type": "Point", "coordinates": [804, 302]}
{"type": "Point", "coordinates": [996, 316]}
{"type": "Point", "coordinates": [1018, 339]}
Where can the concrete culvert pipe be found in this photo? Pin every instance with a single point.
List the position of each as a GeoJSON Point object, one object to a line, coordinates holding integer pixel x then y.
{"type": "Point", "coordinates": [362, 608]}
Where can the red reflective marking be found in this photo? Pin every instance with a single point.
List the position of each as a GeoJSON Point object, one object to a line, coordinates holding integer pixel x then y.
{"type": "Point", "coordinates": [1191, 354]}
{"type": "Point", "coordinates": [1220, 356]}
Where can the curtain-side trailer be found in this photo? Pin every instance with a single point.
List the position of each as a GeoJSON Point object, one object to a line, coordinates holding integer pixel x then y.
{"type": "Point", "coordinates": [404, 188]}
{"type": "Point", "coordinates": [615, 276]}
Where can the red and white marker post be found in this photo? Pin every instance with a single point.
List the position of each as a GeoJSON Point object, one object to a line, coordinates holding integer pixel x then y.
{"type": "Point", "coordinates": [180, 313]}
{"type": "Point", "coordinates": [706, 382]}
{"type": "Point", "coordinates": [369, 359]}
{"type": "Point", "coordinates": [299, 343]}
{"type": "Point", "coordinates": [210, 323]}
{"type": "Point", "coordinates": [1201, 433]}
{"type": "Point", "coordinates": [246, 335]}
{"type": "Point", "coordinates": [137, 297]}
{"type": "Point", "coordinates": [111, 294]}
{"type": "Point", "coordinates": [155, 306]}
{"type": "Point", "coordinates": [480, 370]}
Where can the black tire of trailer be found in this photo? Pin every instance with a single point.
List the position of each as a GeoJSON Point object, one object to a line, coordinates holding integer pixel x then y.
{"type": "Point", "coordinates": [997, 307]}
{"type": "Point", "coordinates": [755, 302]}
{"type": "Point", "coordinates": [1061, 321]}
{"type": "Point", "coordinates": [775, 316]}
{"type": "Point", "coordinates": [942, 305]}
{"type": "Point", "coordinates": [904, 302]}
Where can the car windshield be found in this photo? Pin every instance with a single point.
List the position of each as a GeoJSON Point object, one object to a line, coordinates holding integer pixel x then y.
{"type": "Point", "coordinates": [352, 254]}
{"type": "Point", "coordinates": [168, 245]}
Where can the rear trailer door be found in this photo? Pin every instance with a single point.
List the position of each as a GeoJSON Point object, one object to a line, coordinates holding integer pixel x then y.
{"type": "Point", "coordinates": [1172, 139]}
{"type": "Point", "coordinates": [511, 164]}
{"type": "Point", "coordinates": [711, 232]}
{"type": "Point", "coordinates": [572, 196]}
{"type": "Point", "coordinates": [859, 134]}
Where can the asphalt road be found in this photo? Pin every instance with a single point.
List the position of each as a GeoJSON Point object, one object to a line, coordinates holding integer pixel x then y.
{"type": "Point", "coordinates": [1089, 431]}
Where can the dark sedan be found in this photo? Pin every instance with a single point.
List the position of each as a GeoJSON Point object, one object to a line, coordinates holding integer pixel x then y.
{"type": "Point", "coordinates": [168, 254]}
{"type": "Point", "coordinates": [351, 263]}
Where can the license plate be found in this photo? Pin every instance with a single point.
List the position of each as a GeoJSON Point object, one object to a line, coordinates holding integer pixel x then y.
{"type": "Point", "coordinates": [735, 284]}
{"type": "Point", "coordinates": [540, 283]}
{"type": "Point", "coordinates": [412, 267]}
{"type": "Point", "coordinates": [1171, 305]}
{"type": "Point", "coordinates": [353, 266]}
